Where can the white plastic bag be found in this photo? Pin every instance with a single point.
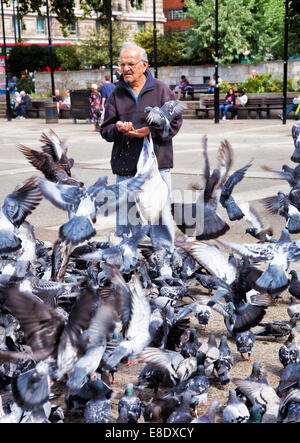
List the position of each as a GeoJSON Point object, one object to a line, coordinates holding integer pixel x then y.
{"type": "Point", "coordinates": [153, 194]}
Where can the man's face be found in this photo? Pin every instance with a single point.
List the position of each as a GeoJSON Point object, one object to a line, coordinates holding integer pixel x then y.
{"type": "Point", "coordinates": [132, 67]}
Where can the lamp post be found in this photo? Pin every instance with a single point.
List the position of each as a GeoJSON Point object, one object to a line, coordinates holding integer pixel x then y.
{"type": "Point", "coordinates": [285, 61]}
{"type": "Point", "coordinates": [154, 39]}
{"type": "Point", "coordinates": [110, 41]}
{"type": "Point", "coordinates": [8, 108]}
{"type": "Point", "coordinates": [216, 89]}
{"type": "Point", "coordinates": [50, 51]}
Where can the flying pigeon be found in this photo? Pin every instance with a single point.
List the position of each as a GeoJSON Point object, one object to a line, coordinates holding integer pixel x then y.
{"type": "Point", "coordinates": [164, 115]}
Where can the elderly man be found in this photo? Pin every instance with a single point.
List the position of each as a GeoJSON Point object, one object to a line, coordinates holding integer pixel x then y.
{"type": "Point", "coordinates": [24, 105]}
{"type": "Point", "coordinates": [125, 125]}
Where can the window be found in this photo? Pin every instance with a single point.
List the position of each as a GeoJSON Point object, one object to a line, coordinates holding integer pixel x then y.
{"type": "Point", "coordinates": [40, 25]}
{"type": "Point", "coordinates": [139, 4]}
{"type": "Point", "coordinates": [140, 26]}
{"type": "Point", "coordinates": [73, 28]}
{"type": "Point", "coordinates": [177, 14]}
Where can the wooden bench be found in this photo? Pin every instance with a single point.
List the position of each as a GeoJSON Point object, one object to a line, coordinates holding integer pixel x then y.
{"type": "Point", "coordinates": [253, 105]}
{"type": "Point", "coordinates": [275, 103]}
{"type": "Point", "coordinates": [65, 113]}
{"type": "Point", "coordinates": [37, 107]}
{"type": "Point", "coordinates": [198, 88]}
{"type": "Point", "coordinates": [207, 105]}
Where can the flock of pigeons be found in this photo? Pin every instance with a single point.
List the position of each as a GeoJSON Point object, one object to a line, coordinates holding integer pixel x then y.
{"type": "Point", "coordinates": [73, 312]}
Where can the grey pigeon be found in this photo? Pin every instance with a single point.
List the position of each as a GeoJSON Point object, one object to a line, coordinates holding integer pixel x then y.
{"type": "Point", "coordinates": [296, 138]}
{"type": "Point", "coordinates": [226, 199]}
{"type": "Point", "coordinates": [235, 411]}
{"type": "Point", "coordinates": [164, 115]}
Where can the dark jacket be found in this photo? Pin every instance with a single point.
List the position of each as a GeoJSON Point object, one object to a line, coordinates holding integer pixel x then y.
{"type": "Point", "coordinates": [26, 100]}
{"type": "Point", "coordinates": [122, 106]}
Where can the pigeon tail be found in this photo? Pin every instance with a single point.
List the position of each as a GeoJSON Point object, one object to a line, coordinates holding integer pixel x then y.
{"type": "Point", "coordinates": [31, 389]}
{"type": "Point", "coordinates": [213, 226]}
{"type": "Point", "coordinates": [233, 211]}
{"type": "Point", "coordinates": [77, 230]}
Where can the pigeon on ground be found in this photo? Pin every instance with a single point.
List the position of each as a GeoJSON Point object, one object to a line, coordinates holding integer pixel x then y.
{"type": "Point", "coordinates": [225, 361]}
{"type": "Point", "coordinates": [235, 411]}
{"type": "Point", "coordinates": [296, 138]}
{"type": "Point", "coordinates": [131, 403]}
{"type": "Point", "coordinates": [163, 116]}
{"type": "Point", "coordinates": [294, 286]}
{"type": "Point", "coordinates": [98, 409]}
{"type": "Point", "coordinates": [244, 343]}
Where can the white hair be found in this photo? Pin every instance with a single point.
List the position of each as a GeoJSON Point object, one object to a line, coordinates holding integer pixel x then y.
{"type": "Point", "coordinates": [143, 53]}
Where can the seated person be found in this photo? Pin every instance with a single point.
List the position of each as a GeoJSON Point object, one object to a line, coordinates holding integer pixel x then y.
{"type": "Point", "coordinates": [57, 98]}
{"type": "Point", "coordinates": [295, 106]}
{"type": "Point", "coordinates": [65, 104]}
{"type": "Point", "coordinates": [15, 101]}
{"type": "Point", "coordinates": [23, 105]}
{"type": "Point", "coordinates": [184, 86]}
{"type": "Point", "coordinates": [229, 101]}
{"type": "Point", "coordinates": [212, 84]}
{"type": "Point", "coordinates": [241, 99]}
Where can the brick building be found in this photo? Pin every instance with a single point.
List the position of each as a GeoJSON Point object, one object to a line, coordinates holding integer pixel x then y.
{"type": "Point", "coordinates": [176, 15]}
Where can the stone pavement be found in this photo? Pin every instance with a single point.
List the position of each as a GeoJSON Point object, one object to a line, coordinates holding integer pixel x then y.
{"type": "Point", "coordinates": [267, 142]}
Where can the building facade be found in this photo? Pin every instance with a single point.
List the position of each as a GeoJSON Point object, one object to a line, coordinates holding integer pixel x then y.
{"type": "Point", "coordinates": [176, 16]}
{"type": "Point", "coordinates": [33, 28]}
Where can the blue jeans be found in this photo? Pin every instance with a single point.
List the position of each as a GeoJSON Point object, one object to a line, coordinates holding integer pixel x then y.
{"type": "Point", "coordinates": [210, 90]}
{"type": "Point", "coordinates": [224, 108]}
{"type": "Point", "coordinates": [162, 233]}
{"type": "Point", "coordinates": [290, 108]}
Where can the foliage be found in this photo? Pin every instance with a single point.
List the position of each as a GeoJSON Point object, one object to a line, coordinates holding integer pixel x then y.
{"type": "Point", "coordinates": [257, 23]}
{"type": "Point", "coordinates": [67, 57]}
{"type": "Point", "coordinates": [25, 83]}
{"type": "Point", "coordinates": [94, 51]}
{"type": "Point", "coordinates": [169, 48]}
{"type": "Point", "coordinates": [260, 84]}
{"type": "Point", "coordinates": [65, 9]}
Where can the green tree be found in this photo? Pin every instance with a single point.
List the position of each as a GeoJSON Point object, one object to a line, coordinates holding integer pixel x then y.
{"type": "Point", "coordinates": [257, 23]}
{"type": "Point", "coordinates": [65, 9]}
{"type": "Point", "coordinates": [67, 57]}
{"type": "Point", "coordinates": [31, 57]}
{"type": "Point", "coordinates": [94, 51]}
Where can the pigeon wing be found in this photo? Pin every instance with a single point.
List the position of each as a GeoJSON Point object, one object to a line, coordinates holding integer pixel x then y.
{"type": "Point", "coordinates": [64, 197]}
{"type": "Point", "coordinates": [22, 201]}
{"type": "Point", "coordinates": [172, 108]}
{"type": "Point", "coordinates": [53, 145]}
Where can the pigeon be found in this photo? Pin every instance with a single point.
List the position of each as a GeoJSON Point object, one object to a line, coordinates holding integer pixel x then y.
{"type": "Point", "coordinates": [84, 203]}
{"type": "Point", "coordinates": [235, 411]}
{"type": "Point", "coordinates": [190, 347]}
{"type": "Point", "coordinates": [171, 363]}
{"type": "Point", "coordinates": [296, 138]}
{"type": "Point", "coordinates": [56, 344]}
{"type": "Point", "coordinates": [277, 329]}
{"type": "Point", "coordinates": [210, 415]}
{"type": "Point", "coordinates": [182, 413]}
{"type": "Point", "coordinates": [293, 310]}
{"type": "Point", "coordinates": [289, 410]}
{"type": "Point", "coordinates": [294, 286]}
{"type": "Point", "coordinates": [135, 317]}
{"type": "Point", "coordinates": [98, 408]}
{"type": "Point", "coordinates": [200, 218]}
{"type": "Point", "coordinates": [163, 116]}
{"type": "Point", "coordinates": [225, 361]}
{"type": "Point", "coordinates": [285, 207]}
{"type": "Point", "coordinates": [244, 343]}
{"type": "Point", "coordinates": [52, 161]}
{"type": "Point", "coordinates": [278, 255]}
{"type": "Point", "coordinates": [131, 403]}
{"type": "Point", "coordinates": [288, 353]}
{"type": "Point", "coordinates": [263, 394]}
{"type": "Point", "coordinates": [16, 207]}
{"type": "Point", "coordinates": [208, 354]}
{"type": "Point", "coordinates": [289, 378]}
{"type": "Point", "coordinates": [234, 212]}
{"type": "Point", "coordinates": [257, 229]}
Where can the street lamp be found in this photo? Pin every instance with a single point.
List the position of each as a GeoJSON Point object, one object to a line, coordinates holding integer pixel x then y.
{"type": "Point", "coordinates": [216, 90]}
{"type": "Point", "coordinates": [154, 39]}
{"type": "Point", "coordinates": [285, 61]}
{"type": "Point", "coordinates": [110, 41]}
{"type": "Point", "coordinates": [7, 95]}
{"type": "Point", "coordinates": [50, 51]}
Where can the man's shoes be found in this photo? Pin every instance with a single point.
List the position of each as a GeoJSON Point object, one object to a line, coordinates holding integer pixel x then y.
{"type": "Point", "coordinates": [18, 118]}
{"type": "Point", "coordinates": [224, 117]}
{"type": "Point", "coordinates": [279, 116]}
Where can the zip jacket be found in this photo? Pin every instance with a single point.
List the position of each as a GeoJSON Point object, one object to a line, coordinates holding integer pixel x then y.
{"type": "Point", "coordinates": [124, 105]}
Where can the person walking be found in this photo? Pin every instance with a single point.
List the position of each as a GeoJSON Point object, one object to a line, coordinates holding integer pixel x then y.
{"type": "Point", "coordinates": [125, 125]}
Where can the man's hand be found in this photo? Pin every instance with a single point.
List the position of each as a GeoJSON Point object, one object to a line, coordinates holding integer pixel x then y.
{"type": "Point", "coordinates": [140, 133]}
{"type": "Point", "coordinates": [124, 127]}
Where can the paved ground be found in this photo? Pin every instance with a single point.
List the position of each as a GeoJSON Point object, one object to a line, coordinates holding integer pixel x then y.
{"type": "Point", "coordinates": [267, 142]}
